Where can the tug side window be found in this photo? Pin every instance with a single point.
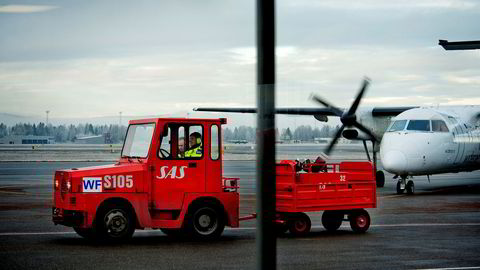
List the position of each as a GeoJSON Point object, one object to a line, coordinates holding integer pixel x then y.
{"type": "Point", "coordinates": [165, 150]}
{"type": "Point", "coordinates": [215, 143]}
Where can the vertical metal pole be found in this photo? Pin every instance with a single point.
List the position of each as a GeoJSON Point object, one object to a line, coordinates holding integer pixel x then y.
{"type": "Point", "coordinates": [266, 238]}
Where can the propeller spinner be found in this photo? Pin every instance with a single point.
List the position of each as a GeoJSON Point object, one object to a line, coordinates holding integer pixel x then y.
{"type": "Point", "coordinates": [348, 118]}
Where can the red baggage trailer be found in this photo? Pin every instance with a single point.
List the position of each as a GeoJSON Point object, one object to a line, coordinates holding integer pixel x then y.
{"type": "Point", "coordinates": [340, 190]}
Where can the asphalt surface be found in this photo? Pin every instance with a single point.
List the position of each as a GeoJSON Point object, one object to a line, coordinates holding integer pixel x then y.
{"type": "Point", "coordinates": [437, 227]}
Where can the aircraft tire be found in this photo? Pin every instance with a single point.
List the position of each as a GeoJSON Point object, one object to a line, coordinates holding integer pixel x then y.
{"type": "Point", "coordinates": [410, 187]}
{"type": "Point", "coordinates": [399, 188]}
{"type": "Point", "coordinates": [380, 177]}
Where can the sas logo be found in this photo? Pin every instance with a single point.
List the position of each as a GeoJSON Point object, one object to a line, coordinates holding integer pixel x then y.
{"type": "Point", "coordinates": [173, 173]}
{"type": "Point", "coordinates": [92, 184]}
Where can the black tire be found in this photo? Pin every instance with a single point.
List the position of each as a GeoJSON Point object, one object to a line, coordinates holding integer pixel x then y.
{"type": "Point", "coordinates": [410, 187]}
{"type": "Point", "coordinates": [359, 220]}
{"type": "Point", "coordinates": [115, 223]}
{"type": "Point", "coordinates": [299, 224]}
{"type": "Point", "coordinates": [380, 176]}
{"type": "Point", "coordinates": [205, 221]}
{"type": "Point", "coordinates": [399, 189]}
{"type": "Point", "coordinates": [332, 220]}
{"type": "Point", "coordinates": [85, 233]}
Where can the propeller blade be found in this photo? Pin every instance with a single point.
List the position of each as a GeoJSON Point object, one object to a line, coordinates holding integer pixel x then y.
{"type": "Point", "coordinates": [355, 103]}
{"type": "Point", "coordinates": [334, 141]}
{"type": "Point", "coordinates": [364, 129]}
{"type": "Point", "coordinates": [338, 112]}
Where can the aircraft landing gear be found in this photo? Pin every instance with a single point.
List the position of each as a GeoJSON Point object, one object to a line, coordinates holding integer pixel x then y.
{"type": "Point", "coordinates": [402, 185]}
{"type": "Point", "coordinates": [410, 187]}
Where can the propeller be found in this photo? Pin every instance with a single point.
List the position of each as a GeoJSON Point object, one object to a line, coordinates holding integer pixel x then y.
{"type": "Point", "coordinates": [348, 118]}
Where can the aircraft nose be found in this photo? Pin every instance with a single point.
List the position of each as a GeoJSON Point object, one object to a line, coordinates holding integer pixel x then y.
{"type": "Point", "coordinates": [394, 161]}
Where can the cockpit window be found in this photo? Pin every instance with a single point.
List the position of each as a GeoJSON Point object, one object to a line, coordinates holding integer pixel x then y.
{"type": "Point", "coordinates": [398, 125]}
{"type": "Point", "coordinates": [419, 125]}
{"type": "Point", "coordinates": [439, 126]}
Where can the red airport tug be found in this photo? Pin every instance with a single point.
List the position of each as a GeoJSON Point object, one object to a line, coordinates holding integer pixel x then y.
{"type": "Point", "coordinates": [160, 183]}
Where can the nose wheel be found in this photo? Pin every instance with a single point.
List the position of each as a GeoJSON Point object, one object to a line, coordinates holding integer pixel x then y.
{"type": "Point", "coordinates": [403, 185]}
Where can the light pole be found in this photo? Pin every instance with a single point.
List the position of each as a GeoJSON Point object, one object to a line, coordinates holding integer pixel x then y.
{"type": "Point", "coordinates": [47, 112]}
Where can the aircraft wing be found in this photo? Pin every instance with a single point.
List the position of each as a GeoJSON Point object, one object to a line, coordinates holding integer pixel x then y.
{"type": "Point", "coordinates": [390, 111]}
{"type": "Point", "coordinates": [377, 111]}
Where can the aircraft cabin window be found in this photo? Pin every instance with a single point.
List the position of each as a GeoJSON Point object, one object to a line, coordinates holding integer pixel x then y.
{"type": "Point", "coordinates": [419, 125]}
{"type": "Point", "coordinates": [439, 126]}
{"type": "Point", "coordinates": [398, 125]}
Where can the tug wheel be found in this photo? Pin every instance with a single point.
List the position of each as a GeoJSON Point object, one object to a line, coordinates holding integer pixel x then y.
{"type": "Point", "coordinates": [115, 222]}
{"type": "Point", "coordinates": [205, 221]}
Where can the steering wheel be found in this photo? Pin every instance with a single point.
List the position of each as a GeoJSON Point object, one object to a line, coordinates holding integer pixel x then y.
{"type": "Point", "coordinates": [164, 153]}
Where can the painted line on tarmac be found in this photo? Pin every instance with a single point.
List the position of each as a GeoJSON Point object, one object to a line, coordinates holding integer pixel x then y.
{"type": "Point", "coordinates": [13, 192]}
{"type": "Point", "coordinates": [453, 268]}
{"type": "Point", "coordinates": [254, 228]}
{"type": "Point", "coordinates": [33, 233]}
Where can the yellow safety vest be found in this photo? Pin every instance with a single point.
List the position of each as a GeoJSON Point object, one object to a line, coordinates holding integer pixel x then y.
{"type": "Point", "coordinates": [194, 152]}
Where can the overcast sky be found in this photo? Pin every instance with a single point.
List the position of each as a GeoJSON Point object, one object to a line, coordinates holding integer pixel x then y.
{"type": "Point", "coordinates": [96, 58]}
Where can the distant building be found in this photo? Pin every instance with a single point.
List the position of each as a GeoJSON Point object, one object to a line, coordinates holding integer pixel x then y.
{"type": "Point", "coordinates": [95, 139]}
{"type": "Point", "coordinates": [27, 139]}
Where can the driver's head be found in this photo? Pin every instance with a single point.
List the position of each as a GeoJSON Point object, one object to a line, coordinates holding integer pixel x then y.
{"type": "Point", "coordinates": [194, 139]}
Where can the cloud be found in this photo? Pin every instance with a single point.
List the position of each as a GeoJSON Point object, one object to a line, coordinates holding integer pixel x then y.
{"type": "Point", "coordinates": [385, 4]}
{"type": "Point", "coordinates": [25, 8]}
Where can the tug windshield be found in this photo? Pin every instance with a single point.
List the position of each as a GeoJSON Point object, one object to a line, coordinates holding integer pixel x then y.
{"type": "Point", "coordinates": [138, 140]}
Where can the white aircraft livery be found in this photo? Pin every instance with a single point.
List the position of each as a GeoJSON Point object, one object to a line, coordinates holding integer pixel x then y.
{"type": "Point", "coordinates": [411, 140]}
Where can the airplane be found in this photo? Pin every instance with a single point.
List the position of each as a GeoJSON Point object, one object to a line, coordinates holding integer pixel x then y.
{"type": "Point", "coordinates": [412, 141]}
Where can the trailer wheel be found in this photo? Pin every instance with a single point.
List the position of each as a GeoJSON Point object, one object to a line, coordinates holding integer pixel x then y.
{"type": "Point", "coordinates": [85, 233]}
{"type": "Point", "coordinates": [359, 220]}
{"type": "Point", "coordinates": [115, 223]}
{"type": "Point", "coordinates": [205, 221]}
{"type": "Point", "coordinates": [332, 220]}
{"type": "Point", "coordinates": [299, 224]}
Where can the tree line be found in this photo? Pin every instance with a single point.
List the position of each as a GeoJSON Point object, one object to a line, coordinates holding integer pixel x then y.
{"type": "Point", "coordinates": [116, 133]}
{"type": "Point", "coordinates": [65, 133]}
{"type": "Point", "coordinates": [302, 133]}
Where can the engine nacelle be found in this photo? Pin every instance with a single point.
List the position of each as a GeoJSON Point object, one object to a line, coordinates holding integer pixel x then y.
{"type": "Point", "coordinates": [354, 134]}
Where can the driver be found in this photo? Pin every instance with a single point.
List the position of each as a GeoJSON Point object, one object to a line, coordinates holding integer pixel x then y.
{"type": "Point", "coordinates": [195, 143]}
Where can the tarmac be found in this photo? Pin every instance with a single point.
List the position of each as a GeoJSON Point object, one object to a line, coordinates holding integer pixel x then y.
{"type": "Point", "coordinates": [436, 228]}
